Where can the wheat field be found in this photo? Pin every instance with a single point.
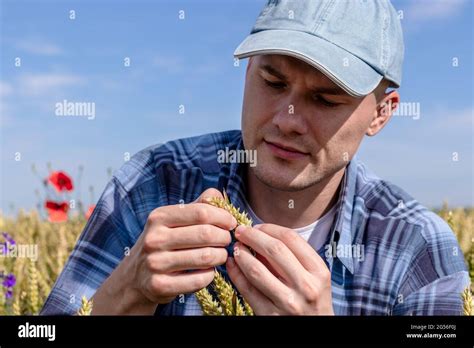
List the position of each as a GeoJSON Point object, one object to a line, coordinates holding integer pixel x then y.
{"type": "Point", "coordinates": [26, 281]}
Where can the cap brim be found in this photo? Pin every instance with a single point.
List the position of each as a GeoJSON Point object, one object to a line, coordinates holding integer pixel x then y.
{"type": "Point", "coordinates": [349, 72]}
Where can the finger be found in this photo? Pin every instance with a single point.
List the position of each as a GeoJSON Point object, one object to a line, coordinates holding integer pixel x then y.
{"type": "Point", "coordinates": [180, 260]}
{"type": "Point", "coordinates": [181, 283]}
{"type": "Point", "coordinates": [259, 276]}
{"type": "Point", "coordinates": [195, 236]}
{"type": "Point", "coordinates": [256, 300]}
{"type": "Point", "coordinates": [275, 252]}
{"type": "Point", "coordinates": [305, 254]}
{"type": "Point", "coordinates": [193, 214]}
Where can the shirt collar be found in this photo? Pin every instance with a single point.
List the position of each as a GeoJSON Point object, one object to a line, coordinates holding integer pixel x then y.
{"type": "Point", "coordinates": [341, 230]}
{"type": "Point", "coordinates": [236, 187]}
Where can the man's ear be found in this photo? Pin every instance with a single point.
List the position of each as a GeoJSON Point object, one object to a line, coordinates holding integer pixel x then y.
{"type": "Point", "coordinates": [248, 64]}
{"type": "Point", "coordinates": [382, 113]}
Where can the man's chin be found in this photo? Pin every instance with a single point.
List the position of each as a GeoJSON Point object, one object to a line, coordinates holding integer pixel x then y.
{"type": "Point", "coordinates": [282, 181]}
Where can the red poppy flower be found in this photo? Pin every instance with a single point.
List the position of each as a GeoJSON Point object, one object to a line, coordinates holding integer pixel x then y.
{"type": "Point", "coordinates": [89, 211]}
{"type": "Point", "coordinates": [60, 181]}
{"type": "Point", "coordinates": [57, 212]}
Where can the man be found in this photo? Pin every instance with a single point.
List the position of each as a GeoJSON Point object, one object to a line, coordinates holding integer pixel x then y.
{"type": "Point", "coordinates": [330, 236]}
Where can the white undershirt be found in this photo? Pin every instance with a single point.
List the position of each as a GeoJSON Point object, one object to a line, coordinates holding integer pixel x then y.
{"type": "Point", "coordinates": [315, 233]}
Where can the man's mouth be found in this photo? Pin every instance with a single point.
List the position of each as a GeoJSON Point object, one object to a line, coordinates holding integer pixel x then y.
{"type": "Point", "coordinates": [285, 151]}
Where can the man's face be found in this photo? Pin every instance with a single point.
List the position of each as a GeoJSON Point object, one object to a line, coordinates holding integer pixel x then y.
{"type": "Point", "coordinates": [291, 104]}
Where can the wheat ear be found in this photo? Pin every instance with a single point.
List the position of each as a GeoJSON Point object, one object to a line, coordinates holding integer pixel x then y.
{"type": "Point", "coordinates": [468, 302]}
{"type": "Point", "coordinates": [86, 307]}
{"type": "Point", "coordinates": [208, 305]}
{"type": "Point", "coordinates": [33, 298]}
{"type": "Point", "coordinates": [248, 309]}
{"type": "Point", "coordinates": [225, 293]}
{"type": "Point", "coordinates": [241, 217]}
{"type": "Point", "coordinates": [229, 303]}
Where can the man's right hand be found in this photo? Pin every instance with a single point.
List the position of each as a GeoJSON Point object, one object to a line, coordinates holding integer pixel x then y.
{"type": "Point", "coordinates": [176, 239]}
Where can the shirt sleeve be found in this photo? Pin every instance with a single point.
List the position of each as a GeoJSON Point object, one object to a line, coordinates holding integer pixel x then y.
{"type": "Point", "coordinates": [441, 297]}
{"type": "Point", "coordinates": [102, 244]}
{"type": "Point", "coordinates": [437, 275]}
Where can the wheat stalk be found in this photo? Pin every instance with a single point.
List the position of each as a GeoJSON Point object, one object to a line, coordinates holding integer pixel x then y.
{"type": "Point", "coordinates": [17, 306]}
{"type": "Point", "coordinates": [23, 302]}
{"type": "Point", "coordinates": [56, 240]}
{"type": "Point", "coordinates": [44, 287]}
{"type": "Point", "coordinates": [62, 250]}
{"type": "Point", "coordinates": [229, 303]}
{"type": "Point", "coordinates": [33, 298]}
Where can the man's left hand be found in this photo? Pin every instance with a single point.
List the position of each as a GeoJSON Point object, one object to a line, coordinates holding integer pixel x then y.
{"type": "Point", "coordinates": [287, 277]}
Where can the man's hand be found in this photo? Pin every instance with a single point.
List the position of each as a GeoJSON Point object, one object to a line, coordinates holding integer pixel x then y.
{"type": "Point", "coordinates": [286, 278]}
{"type": "Point", "coordinates": [176, 254]}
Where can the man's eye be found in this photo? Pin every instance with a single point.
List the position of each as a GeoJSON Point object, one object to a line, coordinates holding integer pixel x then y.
{"type": "Point", "coordinates": [326, 102]}
{"type": "Point", "coordinates": [276, 85]}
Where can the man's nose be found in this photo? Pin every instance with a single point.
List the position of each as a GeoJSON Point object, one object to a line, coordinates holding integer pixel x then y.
{"type": "Point", "coordinates": [289, 119]}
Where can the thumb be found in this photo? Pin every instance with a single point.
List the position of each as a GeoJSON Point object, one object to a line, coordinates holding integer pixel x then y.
{"type": "Point", "coordinates": [208, 194]}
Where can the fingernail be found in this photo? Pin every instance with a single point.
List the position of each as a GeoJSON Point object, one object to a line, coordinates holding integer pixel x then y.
{"type": "Point", "coordinates": [238, 231]}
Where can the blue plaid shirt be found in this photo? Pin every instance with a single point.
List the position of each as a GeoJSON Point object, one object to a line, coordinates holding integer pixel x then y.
{"type": "Point", "coordinates": [386, 252]}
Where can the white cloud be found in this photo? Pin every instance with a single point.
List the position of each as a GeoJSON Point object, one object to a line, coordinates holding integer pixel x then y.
{"type": "Point", "coordinates": [41, 90]}
{"type": "Point", "coordinates": [5, 89]}
{"type": "Point", "coordinates": [37, 84]}
{"type": "Point", "coordinates": [423, 10]}
{"type": "Point", "coordinates": [448, 120]}
{"type": "Point", "coordinates": [38, 46]}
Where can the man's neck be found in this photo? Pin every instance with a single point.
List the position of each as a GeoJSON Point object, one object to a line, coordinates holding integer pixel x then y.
{"type": "Point", "coordinates": [292, 209]}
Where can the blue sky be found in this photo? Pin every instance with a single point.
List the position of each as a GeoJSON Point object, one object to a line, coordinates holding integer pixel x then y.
{"type": "Point", "coordinates": [189, 61]}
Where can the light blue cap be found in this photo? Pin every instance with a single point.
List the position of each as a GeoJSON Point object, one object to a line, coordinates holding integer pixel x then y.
{"type": "Point", "coordinates": [355, 43]}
